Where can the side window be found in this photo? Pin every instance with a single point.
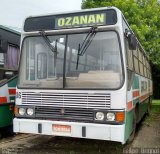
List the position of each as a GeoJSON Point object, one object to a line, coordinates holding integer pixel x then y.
{"type": "Point", "coordinates": [129, 60]}
{"type": "Point", "coordinates": [129, 56]}
{"type": "Point", "coordinates": [136, 64]}
{"type": "Point", "coordinates": [141, 68]}
{"type": "Point", "coordinates": [141, 64]}
{"type": "Point", "coordinates": [145, 71]}
{"type": "Point", "coordinates": [136, 61]}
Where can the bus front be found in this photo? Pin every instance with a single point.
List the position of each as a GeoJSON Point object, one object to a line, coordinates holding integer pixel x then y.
{"type": "Point", "coordinates": [71, 77]}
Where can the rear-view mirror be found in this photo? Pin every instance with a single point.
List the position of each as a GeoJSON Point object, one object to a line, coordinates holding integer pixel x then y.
{"type": "Point", "coordinates": [132, 42]}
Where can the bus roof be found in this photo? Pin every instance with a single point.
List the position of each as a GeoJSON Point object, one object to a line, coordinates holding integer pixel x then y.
{"type": "Point", "coordinates": [10, 29]}
{"type": "Point", "coordinates": [76, 19]}
{"type": "Point", "coordinates": [10, 35]}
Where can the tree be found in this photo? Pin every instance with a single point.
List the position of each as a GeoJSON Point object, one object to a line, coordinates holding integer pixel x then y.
{"type": "Point", "coordinates": [144, 18]}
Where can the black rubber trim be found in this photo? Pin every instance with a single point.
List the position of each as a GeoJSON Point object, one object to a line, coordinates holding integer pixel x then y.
{"type": "Point", "coordinates": [83, 131]}
{"type": "Point", "coordinates": [39, 128]}
{"type": "Point", "coordinates": [7, 104]}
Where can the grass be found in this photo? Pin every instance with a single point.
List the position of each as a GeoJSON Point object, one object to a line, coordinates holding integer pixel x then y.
{"type": "Point", "coordinates": [156, 102]}
{"type": "Point", "coordinates": [155, 112]}
{"type": "Point", "coordinates": [155, 106]}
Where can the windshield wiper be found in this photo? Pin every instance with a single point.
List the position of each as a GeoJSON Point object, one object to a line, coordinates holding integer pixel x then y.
{"type": "Point", "coordinates": [52, 48]}
{"type": "Point", "coordinates": [86, 43]}
{"type": "Point", "coordinates": [48, 42]}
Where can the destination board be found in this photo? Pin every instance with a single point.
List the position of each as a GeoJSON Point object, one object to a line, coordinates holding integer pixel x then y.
{"type": "Point", "coordinates": [80, 20]}
{"type": "Point", "coordinates": [71, 20]}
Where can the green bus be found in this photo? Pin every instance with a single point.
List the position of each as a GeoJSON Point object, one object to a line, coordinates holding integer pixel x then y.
{"type": "Point", "coordinates": [9, 57]}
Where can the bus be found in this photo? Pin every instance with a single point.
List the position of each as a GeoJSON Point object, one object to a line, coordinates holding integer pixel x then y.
{"type": "Point", "coordinates": [9, 57]}
{"type": "Point", "coordinates": [82, 74]}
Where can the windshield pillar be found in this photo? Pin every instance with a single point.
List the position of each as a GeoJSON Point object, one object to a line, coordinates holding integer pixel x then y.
{"type": "Point", "coordinates": [64, 63]}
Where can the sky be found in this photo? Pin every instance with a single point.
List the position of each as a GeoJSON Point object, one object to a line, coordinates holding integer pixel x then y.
{"type": "Point", "coordinates": [13, 12]}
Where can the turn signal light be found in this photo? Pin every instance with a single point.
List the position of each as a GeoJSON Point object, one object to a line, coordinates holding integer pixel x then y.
{"type": "Point", "coordinates": [119, 116]}
{"type": "Point", "coordinates": [15, 110]}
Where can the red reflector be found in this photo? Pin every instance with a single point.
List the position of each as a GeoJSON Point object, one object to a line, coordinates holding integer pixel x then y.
{"type": "Point", "coordinates": [12, 91]}
{"type": "Point", "coordinates": [3, 99]}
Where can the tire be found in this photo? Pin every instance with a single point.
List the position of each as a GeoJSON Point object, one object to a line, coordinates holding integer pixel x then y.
{"type": "Point", "coordinates": [1, 133]}
{"type": "Point", "coordinates": [149, 107]}
{"type": "Point", "coordinates": [1, 136]}
{"type": "Point", "coordinates": [134, 122]}
{"type": "Point", "coordinates": [9, 130]}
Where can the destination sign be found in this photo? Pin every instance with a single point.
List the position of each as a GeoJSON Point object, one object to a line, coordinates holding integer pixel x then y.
{"type": "Point", "coordinates": [80, 21]}
{"type": "Point", "coordinates": [71, 20]}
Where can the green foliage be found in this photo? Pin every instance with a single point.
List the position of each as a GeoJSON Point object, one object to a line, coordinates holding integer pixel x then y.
{"type": "Point", "coordinates": [144, 18]}
{"type": "Point", "coordinates": [156, 102]}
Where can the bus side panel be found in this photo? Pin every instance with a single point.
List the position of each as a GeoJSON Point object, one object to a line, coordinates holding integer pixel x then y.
{"type": "Point", "coordinates": [128, 123]}
{"type": "Point", "coordinates": [132, 100]}
{"type": "Point", "coordinates": [137, 99]}
{"type": "Point", "coordinates": [12, 89]}
{"type": "Point", "coordinates": [6, 115]}
{"type": "Point", "coordinates": [143, 108]}
{"type": "Point", "coordinates": [144, 96]}
{"type": "Point", "coordinates": [7, 101]}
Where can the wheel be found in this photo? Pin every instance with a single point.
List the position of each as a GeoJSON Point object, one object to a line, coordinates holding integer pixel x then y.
{"type": "Point", "coordinates": [130, 139]}
{"type": "Point", "coordinates": [9, 130]}
{"type": "Point", "coordinates": [1, 135]}
{"type": "Point", "coordinates": [149, 107]}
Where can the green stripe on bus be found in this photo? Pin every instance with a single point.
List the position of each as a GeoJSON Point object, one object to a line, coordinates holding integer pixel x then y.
{"type": "Point", "coordinates": [12, 98]}
{"type": "Point", "coordinates": [5, 112]}
{"type": "Point", "coordinates": [12, 83]}
{"type": "Point", "coordinates": [135, 101]}
{"type": "Point", "coordinates": [128, 123]}
{"type": "Point", "coordinates": [143, 108]}
{"type": "Point", "coordinates": [135, 84]}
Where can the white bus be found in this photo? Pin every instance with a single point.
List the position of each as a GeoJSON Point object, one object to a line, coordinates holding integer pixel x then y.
{"type": "Point", "coordinates": [82, 74]}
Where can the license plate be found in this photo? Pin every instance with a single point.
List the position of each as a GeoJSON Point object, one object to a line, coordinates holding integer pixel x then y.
{"type": "Point", "coordinates": [61, 128]}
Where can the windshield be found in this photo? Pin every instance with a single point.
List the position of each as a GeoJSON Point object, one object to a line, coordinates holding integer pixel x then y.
{"type": "Point", "coordinates": [98, 67]}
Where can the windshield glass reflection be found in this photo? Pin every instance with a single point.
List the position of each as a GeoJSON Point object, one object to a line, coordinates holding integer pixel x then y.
{"type": "Point", "coordinates": [98, 67]}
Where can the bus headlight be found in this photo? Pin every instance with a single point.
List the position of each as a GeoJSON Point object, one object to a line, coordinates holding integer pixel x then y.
{"type": "Point", "coordinates": [110, 116]}
{"type": "Point", "coordinates": [21, 111]}
{"type": "Point", "coordinates": [30, 111]}
{"type": "Point", "coordinates": [99, 116]}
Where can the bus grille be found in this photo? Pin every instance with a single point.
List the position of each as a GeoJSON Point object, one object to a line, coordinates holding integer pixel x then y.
{"type": "Point", "coordinates": [64, 113]}
{"type": "Point", "coordinates": [67, 100]}
{"type": "Point", "coordinates": [66, 106]}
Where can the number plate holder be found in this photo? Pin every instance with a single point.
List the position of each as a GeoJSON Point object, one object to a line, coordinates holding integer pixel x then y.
{"type": "Point", "coordinates": [58, 129]}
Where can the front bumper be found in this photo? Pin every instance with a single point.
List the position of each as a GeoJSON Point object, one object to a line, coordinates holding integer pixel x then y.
{"type": "Point", "coordinates": [91, 131]}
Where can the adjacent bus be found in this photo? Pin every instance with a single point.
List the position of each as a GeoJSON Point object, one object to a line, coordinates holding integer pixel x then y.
{"type": "Point", "coordinates": [82, 74]}
{"type": "Point", "coordinates": [9, 57]}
